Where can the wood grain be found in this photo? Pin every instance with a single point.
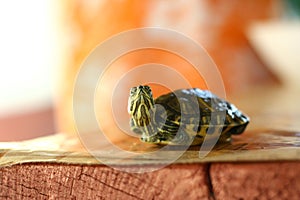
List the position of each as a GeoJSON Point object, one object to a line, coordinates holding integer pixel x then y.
{"type": "Point", "coordinates": [279, 180]}
{"type": "Point", "coordinates": [62, 181]}
{"type": "Point", "coordinates": [37, 180]}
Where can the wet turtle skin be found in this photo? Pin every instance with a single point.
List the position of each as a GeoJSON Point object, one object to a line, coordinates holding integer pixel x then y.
{"type": "Point", "coordinates": [183, 117]}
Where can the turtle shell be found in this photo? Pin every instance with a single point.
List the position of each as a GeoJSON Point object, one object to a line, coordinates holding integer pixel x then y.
{"type": "Point", "coordinates": [199, 112]}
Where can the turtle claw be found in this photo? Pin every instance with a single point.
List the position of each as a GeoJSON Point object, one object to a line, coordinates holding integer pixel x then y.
{"type": "Point", "coordinates": [150, 139]}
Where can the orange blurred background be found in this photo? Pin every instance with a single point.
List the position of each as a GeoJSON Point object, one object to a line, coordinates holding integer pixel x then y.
{"type": "Point", "coordinates": [219, 26]}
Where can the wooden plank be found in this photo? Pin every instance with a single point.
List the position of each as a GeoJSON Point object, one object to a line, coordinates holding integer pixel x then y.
{"type": "Point", "coordinates": [252, 146]}
{"type": "Point", "coordinates": [62, 181]}
{"type": "Point", "coordinates": [256, 180]}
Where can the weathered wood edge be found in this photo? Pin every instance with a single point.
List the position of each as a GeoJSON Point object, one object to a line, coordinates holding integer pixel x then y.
{"type": "Point", "coordinates": [11, 157]}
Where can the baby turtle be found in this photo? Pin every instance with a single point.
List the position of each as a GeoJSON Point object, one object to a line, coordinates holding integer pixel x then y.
{"type": "Point", "coordinates": [183, 117]}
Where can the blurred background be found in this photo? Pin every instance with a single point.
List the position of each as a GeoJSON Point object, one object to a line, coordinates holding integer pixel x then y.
{"type": "Point", "coordinates": [43, 44]}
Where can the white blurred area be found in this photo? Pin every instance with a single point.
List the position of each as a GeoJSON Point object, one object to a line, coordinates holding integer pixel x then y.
{"type": "Point", "coordinates": [30, 54]}
{"type": "Point", "coordinates": [278, 44]}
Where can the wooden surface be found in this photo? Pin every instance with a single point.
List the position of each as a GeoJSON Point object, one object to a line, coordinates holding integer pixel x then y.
{"type": "Point", "coordinates": [251, 147]}
{"type": "Point", "coordinates": [261, 163]}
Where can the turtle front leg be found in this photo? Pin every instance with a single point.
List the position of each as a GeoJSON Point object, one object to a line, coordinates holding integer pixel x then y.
{"type": "Point", "coordinates": [167, 138]}
{"type": "Point", "coordinates": [152, 139]}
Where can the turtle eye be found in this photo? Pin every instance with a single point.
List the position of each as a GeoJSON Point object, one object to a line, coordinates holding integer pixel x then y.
{"type": "Point", "coordinates": [133, 90]}
{"type": "Point", "coordinates": [147, 88]}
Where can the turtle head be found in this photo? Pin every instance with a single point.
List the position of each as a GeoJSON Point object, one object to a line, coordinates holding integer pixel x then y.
{"type": "Point", "coordinates": [140, 105]}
